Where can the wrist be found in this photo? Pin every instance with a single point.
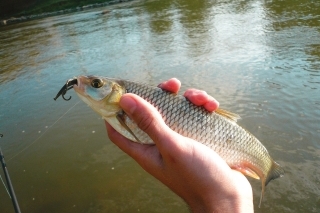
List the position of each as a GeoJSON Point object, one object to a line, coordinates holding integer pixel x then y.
{"type": "Point", "coordinates": [234, 204]}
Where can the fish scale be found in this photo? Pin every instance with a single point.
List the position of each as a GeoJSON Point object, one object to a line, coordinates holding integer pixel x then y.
{"type": "Point", "coordinates": [190, 125]}
{"type": "Point", "coordinates": [217, 130]}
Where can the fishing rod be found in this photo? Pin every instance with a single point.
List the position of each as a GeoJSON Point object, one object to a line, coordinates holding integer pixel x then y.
{"type": "Point", "coordinates": [6, 174]}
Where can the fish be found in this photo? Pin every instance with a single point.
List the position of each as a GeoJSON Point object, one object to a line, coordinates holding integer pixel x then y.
{"type": "Point", "coordinates": [218, 130]}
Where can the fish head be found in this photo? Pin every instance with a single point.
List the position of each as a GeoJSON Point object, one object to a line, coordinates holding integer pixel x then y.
{"type": "Point", "coordinates": [100, 93]}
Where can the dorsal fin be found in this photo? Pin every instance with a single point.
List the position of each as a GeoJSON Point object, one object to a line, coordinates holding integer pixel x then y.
{"type": "Point", "coordinates": [232, 116]}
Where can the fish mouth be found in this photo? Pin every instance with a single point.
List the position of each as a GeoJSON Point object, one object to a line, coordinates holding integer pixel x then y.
{"type": "Point", "coordinates": [68, 85]}
{"type": "Point", "coordinates": [79, 86]}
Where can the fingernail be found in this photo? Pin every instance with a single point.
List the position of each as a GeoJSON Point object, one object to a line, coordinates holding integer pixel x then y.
{"type": "Point", "coordinates": [160, 85]}
{"type": "Point", "coordinates": [128, 104]}
{"type": "Point", "coordinates": [211, 106]}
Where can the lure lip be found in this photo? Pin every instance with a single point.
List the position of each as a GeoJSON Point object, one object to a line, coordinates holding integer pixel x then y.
{"type": "Point", "coordinates": [68, 85]}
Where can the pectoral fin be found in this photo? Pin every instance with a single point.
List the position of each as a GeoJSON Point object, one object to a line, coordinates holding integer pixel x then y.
{"type": "Point", "coordinates": [121, 121]}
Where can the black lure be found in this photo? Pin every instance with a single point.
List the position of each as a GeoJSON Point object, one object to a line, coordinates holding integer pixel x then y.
{"type": "Point", "coordinates": [69, 85]}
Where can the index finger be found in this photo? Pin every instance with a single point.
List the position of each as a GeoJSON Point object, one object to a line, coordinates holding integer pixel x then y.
{"type": "Point", "coordinates": [172, 85]}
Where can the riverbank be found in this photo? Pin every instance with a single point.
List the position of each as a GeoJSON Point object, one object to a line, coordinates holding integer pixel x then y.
{"type": "Point", "coordinates": [19, 19]}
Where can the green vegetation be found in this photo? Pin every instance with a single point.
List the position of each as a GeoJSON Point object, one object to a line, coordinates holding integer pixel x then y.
{"type": "Point", "coordinates": [29, 7]}
{"type": "Point", "coordinates": [56, 5]}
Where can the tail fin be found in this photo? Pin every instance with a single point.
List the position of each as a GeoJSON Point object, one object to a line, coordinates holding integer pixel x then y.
{"type": "Point", "coordinates": [276, 171]}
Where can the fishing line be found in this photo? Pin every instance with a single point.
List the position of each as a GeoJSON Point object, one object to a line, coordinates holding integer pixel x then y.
{"type": "Point", "coordinates": [42, 133]}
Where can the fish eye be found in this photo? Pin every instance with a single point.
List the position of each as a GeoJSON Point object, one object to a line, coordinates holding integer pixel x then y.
{"type": "Point", "coordinates": [97, 83]}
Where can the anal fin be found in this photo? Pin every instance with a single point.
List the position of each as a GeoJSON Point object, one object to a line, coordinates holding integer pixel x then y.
{"type": "Point", "coordinates": [247, 171]}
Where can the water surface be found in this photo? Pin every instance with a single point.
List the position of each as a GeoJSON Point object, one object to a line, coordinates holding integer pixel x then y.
{"type": "Point", "coordinates": [260, 59]}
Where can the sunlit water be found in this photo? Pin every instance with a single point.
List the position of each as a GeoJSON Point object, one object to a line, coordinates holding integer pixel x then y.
{"type": "Point", "coordinates": [260, 59]}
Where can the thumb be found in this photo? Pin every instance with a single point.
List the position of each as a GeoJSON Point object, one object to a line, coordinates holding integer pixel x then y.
{"type": "Point", "coordinates": [145, 116]}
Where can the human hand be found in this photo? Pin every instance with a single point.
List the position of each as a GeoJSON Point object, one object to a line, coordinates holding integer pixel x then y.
{"type": "Point", "coordinates": [190, 169]}
{"type": "Point", "coordinates": [197, 97]}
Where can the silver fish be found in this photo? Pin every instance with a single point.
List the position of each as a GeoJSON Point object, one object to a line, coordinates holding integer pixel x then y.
{"type": "Point", "coordinates": [217, 130]}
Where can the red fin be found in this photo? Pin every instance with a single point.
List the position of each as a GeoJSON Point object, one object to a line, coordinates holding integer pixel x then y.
{"type": "Point", "coordinates": [247, 171]}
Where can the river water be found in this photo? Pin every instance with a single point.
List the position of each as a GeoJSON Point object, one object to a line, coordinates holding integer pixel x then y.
{"type": "Point", "coordinates": [260, 59]}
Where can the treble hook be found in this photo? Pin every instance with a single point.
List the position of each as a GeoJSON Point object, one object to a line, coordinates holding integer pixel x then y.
{"type": "Point", "coordinates": [69, 85]}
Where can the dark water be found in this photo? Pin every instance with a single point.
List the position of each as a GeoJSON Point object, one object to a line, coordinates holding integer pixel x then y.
{"type": "Point", "coordinates": [260, 59]}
